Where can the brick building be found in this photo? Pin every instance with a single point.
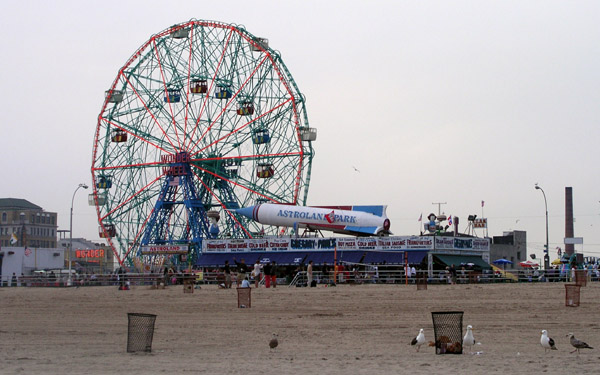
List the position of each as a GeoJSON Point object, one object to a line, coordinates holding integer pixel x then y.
{"type": "Point", "coordinates": [24, 224]}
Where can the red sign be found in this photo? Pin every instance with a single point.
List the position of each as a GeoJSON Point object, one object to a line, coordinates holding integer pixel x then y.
{"type": "Point", "coordinates": [95, 253]}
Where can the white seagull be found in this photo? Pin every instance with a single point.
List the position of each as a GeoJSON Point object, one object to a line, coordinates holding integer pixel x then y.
{"type": "Point", "coordinates": [419, 340]}
{"type": "Point", "coordinates": [547, 342]}
{"type": "Point", "coordinates": [469, 340]}
{"type": "Point", "coordinates": [578, 344]}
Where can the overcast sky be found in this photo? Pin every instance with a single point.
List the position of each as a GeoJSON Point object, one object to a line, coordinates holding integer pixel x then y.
{"type": "Point", "coordinates": [432, 101]}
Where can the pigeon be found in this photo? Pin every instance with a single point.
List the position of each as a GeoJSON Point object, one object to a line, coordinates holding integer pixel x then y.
{"type": "Point", "coordinates": [469, 340]}
{"type": "Point", "coordinates": [547, 342]}
{"type": "Point", "coordinates": [273, 343]}
{"type": "Point", "coordinates": [419, 340]}
{"type": "Point", "coordinates": [578, 344]}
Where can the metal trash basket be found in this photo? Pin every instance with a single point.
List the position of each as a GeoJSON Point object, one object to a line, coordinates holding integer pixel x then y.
{"type": "Point", "coordinates": [447, 327]}
{"type": "Point", "coordinates": [581, 277]}
{"type": "Point", "coordinates": [140, 332]}
{"type": "Point", "coordinates": [188, 285]}
{"type": "Point", "coordinates": [572, 295]}
{"type": "Point", "coordinates": [244, 299]}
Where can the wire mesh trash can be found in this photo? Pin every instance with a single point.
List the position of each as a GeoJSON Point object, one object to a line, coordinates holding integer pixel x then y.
{"type": "Point", "coordinates": [581, 277]}
{"type": "Point", "coordinates": [447, 327]}
{"type": "Point", "coordinates": [140, 332]}
{"type": "Point", "coordinates": [572, 294]}
{"type": "Point", "coordinates": [188, 285]}
{"type": "Point", "coordinates": [422, 281]}
{"type": "Point", "coordinates": [244, 299]}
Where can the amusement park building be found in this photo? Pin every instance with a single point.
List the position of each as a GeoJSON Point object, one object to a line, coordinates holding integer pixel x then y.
{"type": "Point", "coordinates": [510, 246]}
{"type": "Point", "coordinates": [88, 256]}
{"type": "Point", "coordinates": [428, 251]}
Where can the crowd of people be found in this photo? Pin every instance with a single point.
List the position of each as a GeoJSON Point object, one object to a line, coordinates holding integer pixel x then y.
{"type": "Point", "coordinates": [268, 273]}
{"type": "Point", "coordinates": [243, 275]}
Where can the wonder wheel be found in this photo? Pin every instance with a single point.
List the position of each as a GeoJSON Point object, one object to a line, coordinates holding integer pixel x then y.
{"type": "Point", "coordinates": [203, 118]}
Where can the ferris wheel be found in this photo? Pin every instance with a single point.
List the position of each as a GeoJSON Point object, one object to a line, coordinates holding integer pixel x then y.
{"type": "Point", "coordinates": [204, 118]}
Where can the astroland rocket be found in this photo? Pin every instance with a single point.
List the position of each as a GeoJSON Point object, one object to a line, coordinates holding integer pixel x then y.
{"type": "Point", "coordinates": [353, 220]}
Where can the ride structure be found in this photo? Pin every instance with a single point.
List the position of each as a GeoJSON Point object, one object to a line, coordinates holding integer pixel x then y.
{"type": "Point", "coordinates": [202, 119]}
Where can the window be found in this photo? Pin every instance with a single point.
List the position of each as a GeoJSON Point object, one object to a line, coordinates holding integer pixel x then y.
{"type": "Point", "coordinates": [519, 255]}
{"type": "Point", "coordinates": [4, 217]}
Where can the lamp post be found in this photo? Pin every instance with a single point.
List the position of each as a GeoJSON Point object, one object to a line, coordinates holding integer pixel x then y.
{"type": "Point", "coordinates": [69, 281]}
{"type": "Point", "coordinates": [546, 256]}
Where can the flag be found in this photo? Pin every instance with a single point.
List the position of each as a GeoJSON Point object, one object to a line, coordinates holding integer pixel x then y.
{"type": "Point", "coordinates": [13, 239]}
{"type": "Point", "coordinates": [330, 217]}
{"type": "Point", "coordinates": [450, 220]}
{"type": "Point", "coordinates": [421, 217]}
{"type": "Point", "coordinates": [27, 252]}
{"type": "Point", "coordinates": [482, 203]}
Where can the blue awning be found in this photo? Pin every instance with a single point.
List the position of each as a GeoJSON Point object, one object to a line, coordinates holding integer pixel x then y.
{"type": "Point", "coordinates": [280, 257]}
{"type": "Point", "coordinates": [395, 257]}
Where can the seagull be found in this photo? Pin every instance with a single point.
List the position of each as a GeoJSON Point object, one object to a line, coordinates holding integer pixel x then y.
{"type": "Point", "coordinates": [419, 340]}
{"type": "Point", "coordinates": [273, 343]}
{"type": "Point", "coordinates": [547, 342]}
{"type": "Point", "coordinates": [469, 340]}
{"type": "Point", "coordinates": [578, 344]}
{"type": "Point", "coordinates": [355, 169]}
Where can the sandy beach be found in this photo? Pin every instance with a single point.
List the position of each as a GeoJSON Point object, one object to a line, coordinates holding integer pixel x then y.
{"type": "Point", "coordinates": [362, 329]}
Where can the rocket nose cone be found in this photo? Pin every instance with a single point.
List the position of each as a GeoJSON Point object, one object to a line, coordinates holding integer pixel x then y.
{"type": "Point", "coordinates": [245, 211]}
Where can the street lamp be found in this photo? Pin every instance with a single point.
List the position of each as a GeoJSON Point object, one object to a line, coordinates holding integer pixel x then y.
{"type": "Point", "coordinates": [69, 281]}
{"type": "Point", "coordinates": [546, 256]}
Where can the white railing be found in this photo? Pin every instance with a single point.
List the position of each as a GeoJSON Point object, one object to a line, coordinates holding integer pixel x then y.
{"type": "Point", "coordinates": [356, 276]}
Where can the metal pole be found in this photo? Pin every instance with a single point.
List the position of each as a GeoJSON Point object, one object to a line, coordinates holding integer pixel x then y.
{"type": "Point", "coordinates": [546, 256]}
{"type": "Point", "coordinates": [69, 280]}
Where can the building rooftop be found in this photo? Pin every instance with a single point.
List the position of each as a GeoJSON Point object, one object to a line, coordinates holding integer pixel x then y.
{"type": "Point", "coordinates": [16, 203]}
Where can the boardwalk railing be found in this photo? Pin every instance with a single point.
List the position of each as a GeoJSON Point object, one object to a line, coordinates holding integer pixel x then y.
{"type": "Point", "coordinates": [369, 276]}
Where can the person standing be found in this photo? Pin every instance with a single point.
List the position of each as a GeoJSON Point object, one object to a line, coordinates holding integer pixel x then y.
{"type": "Point", "coordinates": [375, 274]}
{"type": "Point", "coordinates": [453, 274]}
{"type": "Point", "coordinates": [242, 270]}
{"type": "Point", "coordinates": [274, 274]}
{"type": "Point", "coordinates": [325, 273]}
{"type": "Point", "coordinates": [165, 276]}
{"type": "Point", "coordinates": [121, 274]}
{"type": "Point", "coordinates": [256, 272]}
{"type": "Point", "coordinates": [227, 272]}
{"type": "Point", "coordinates": [309, 273]}
{"type": "Point", "coordinates": [267, 272]}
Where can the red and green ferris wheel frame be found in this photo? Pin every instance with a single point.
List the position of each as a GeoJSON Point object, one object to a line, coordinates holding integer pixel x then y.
{"type": "Point", "coordinates": [203, 118]}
